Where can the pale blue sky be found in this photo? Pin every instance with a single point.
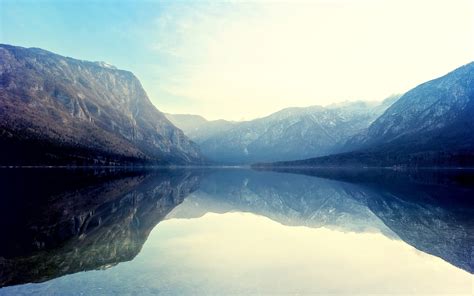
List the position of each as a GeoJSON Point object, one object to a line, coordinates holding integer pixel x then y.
{"type": "Point", "coordinates": [244, 59]}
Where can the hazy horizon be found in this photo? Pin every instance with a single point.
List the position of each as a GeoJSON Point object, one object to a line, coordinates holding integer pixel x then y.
{"type": "Point", "coordinates": [328, 105]}
{"type": "Point", "coordinates": [241, 60]}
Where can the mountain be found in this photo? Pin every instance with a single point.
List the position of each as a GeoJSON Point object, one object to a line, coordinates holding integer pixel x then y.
{"type": "Point", "coordinates": [59, 110]}
{"type": "Point", "coordinates": [430, 125]}
{"type": "Point", "coordinates": [90, 219]}
{"type": "Point", "coordinates": [291, 133]}
{"type": "Point", "coordinates": [197, 128]}
{"type": "Point", "coordinates": [438, 108]}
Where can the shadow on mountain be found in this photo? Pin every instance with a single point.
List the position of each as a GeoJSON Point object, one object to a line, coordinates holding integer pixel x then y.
{"type": "Point", "coordinates": [56, 222]}
{"type": "Point", "coordinates": [432, 210]}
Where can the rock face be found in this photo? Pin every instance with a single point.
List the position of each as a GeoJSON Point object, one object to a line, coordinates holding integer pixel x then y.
{"type": "Point", "coordinates": [434, 115]}
{"type": "Point", "coordinates": [89, 220]}
{"type": "Point", "coordinates": [430, 125]}
{"type": "Point", "coordinates": [289, 134]}
{"type": "Point", "coordinates": [59, 110]}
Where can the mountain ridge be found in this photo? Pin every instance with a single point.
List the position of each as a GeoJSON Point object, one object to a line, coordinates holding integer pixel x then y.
{"type": "Point", "coordinates": [290, 133]}
{"type": "Point", "coordinates": [429, 126]}
{"type": "Point", "coordinates": [79, 112]}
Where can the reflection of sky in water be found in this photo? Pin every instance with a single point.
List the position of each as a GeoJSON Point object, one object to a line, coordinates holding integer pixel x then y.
{"type": "Point", "coordinates": [240, 253]}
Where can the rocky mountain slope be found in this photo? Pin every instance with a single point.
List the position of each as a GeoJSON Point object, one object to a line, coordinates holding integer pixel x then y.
{"type": "Point", "coordinates": [59, 110]}
{"type": "Point", "coordinates": [291, 133]}
{"type": "Point", "coordinates": [430, 125]}
{"type": "Point", "coordinates": [441, 107]}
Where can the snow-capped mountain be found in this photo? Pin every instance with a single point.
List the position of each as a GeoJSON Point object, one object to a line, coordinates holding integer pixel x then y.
{"type": "Point", "coordinates": [59, 110]}
{"type": "Point", "coordinates": [438, 108]}
{"type": "Point", "coordinates": [430, 125]}
{"type": "Point", "coordinates": [291, 133]}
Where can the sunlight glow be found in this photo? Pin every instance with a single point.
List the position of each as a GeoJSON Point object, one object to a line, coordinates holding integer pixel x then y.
{"type": "Point", "coordinates": [242, 59]}
{"type": "Point", "coordinates": [246, 59]}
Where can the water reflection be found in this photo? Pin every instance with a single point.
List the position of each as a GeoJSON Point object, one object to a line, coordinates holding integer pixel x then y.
{"type": "Point", "coordinates": [429, 209]}
{"type": "Point", "coordinates": [57, 222]}
{"type": "Point", "coordinates": [307, 231]}
{"type": "Point", "coordinates": [294, 200]}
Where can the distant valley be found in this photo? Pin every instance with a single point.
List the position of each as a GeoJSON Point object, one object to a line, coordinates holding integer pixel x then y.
{"type": "Point", "coordinates": [289, 134]}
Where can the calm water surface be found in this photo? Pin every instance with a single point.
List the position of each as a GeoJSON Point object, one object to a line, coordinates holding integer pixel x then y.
{"type": "Point", "coordinates": [236, 231]}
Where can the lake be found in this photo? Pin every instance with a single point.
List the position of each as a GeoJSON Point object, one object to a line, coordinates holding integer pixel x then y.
{"type": "Point", "coordinates": [236, 231]}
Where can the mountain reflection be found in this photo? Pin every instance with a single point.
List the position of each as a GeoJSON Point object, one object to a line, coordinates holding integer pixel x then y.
{"type": "Point", "coordinates": [58, 222]}
{"type": "Point", "coordinates": [289, 199]}
{"type": "Point", "coordinates": [432, 210]}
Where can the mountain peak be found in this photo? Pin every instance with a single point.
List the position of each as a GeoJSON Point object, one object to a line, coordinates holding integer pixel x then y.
{"type": "Point", "coordinates": [106, 65]}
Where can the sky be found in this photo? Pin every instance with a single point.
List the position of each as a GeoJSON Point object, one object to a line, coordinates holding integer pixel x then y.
{"type": "Point", "coordinates": [239, 60]}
